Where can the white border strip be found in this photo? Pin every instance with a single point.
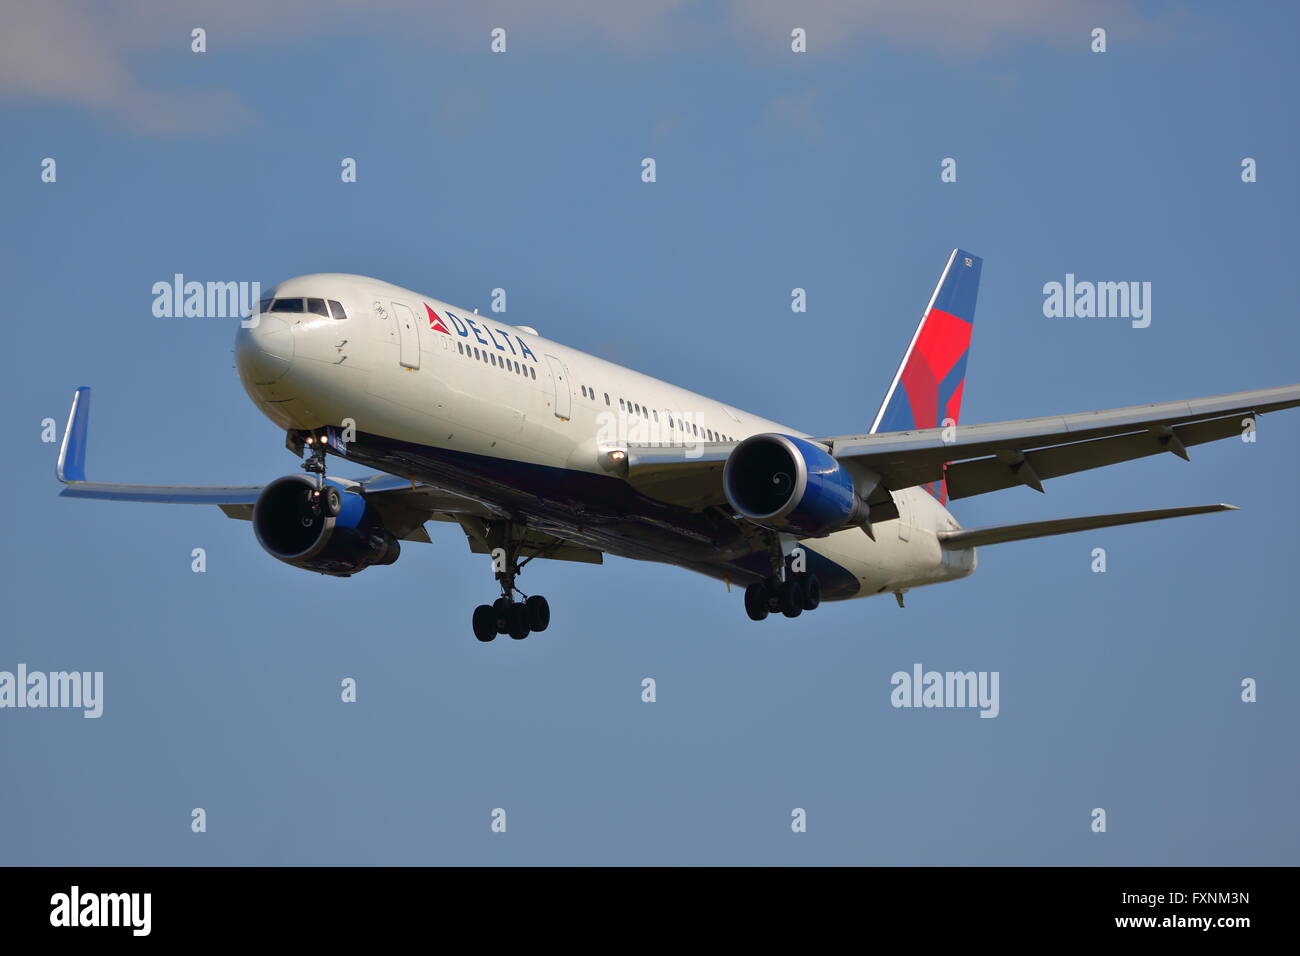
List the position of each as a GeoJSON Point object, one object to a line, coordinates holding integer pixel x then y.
{"type": "Point", "coordinates": [915, 335]}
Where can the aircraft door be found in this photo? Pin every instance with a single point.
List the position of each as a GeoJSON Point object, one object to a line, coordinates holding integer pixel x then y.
{"type": "Point", "coordinates": [408, 334]}
{"type": "Point", "coordinates": [563, 395]}
{"type": "Point", "coordinates": [904, 516]}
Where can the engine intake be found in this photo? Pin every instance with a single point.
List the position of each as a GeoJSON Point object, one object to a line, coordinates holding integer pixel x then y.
{"type": "Point", "coordinates": [297, 530]}
{"type": "Point", "coordinates": [789, 484]}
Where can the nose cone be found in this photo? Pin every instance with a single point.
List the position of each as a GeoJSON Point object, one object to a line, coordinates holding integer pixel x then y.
{"type": "Point", "coordinates": [264, 352]}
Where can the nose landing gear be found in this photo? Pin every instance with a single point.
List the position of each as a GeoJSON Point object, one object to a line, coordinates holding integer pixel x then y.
{"type": "Point", "coordinates": [323, 499]}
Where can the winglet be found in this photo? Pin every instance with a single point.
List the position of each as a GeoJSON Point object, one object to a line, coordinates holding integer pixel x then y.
{"type": "Point", "coordinates": [72, 454]}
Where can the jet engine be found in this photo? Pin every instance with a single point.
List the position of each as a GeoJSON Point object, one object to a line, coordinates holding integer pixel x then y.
{"type": "Point", "coordinates": [331, 530]}
{"type": "Point", "coordinates": [792, 485]}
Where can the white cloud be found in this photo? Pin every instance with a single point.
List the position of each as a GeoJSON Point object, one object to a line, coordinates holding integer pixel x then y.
{"type": "Point", "coordinates": [95, 56]}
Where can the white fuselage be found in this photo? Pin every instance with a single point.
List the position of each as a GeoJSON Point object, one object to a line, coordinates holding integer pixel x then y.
{"type": "Point", "coordinates": [486, 388]}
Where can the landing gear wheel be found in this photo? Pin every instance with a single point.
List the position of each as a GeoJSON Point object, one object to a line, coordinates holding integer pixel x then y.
{"type": "Point", "coordinates": [756, 601]}
{"type": "Point", "coordinates": [812, 592]}
{"type": "Point", "coordinates": [501, 608]}
{"type": "Point", "coordinates": [333, 502]}
{"type": "Point", "coordinates": [792, 597]}
{"type": "Point", "coordinates": [485, 622]}
{"type": "Point", "coordinates": [538, 612]}
{"type": "Point", "coordinates": [517, 622]}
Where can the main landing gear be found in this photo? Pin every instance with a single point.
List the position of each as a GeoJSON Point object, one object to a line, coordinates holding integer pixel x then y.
{"type": "Point", "coordinates": [505, 615]}
{"type": "Point", "coordinates": [799, 592]}
{"type": "Point", "coordinates": [786, 590]}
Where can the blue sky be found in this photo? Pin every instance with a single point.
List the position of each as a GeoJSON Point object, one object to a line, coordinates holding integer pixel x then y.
{"type": "Point", "coordinates": [775, 170]}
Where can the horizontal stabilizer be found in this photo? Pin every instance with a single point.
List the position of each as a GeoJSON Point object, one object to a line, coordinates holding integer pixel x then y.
{"type": "Point", "coordinates": [977, 537]}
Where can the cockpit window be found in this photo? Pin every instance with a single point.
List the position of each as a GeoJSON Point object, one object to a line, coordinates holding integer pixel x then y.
{"type": "Point", "coordinates": [337, 309]}
{"type": "Point", "coordinates": [286, 305]}
{"type": "Point", "coordinates": [264, 305]}
{"type": "Point", "coordinates": [317, 307]}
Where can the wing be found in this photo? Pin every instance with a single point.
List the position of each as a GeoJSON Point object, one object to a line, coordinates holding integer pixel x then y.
{"type": "Point", "coordinates": [404, 505]}
{"type": "Point", "coordinates": [71, 470]}
{"type": "Point", "coordinates": [983, 458]}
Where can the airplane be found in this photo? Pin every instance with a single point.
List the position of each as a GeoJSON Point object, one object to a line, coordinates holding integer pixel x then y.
{"type": "Point", "coordinates": [538, 450]}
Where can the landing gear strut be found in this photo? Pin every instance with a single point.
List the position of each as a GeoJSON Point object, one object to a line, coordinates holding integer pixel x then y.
{"type": "Point", "coordinates": [323, 499]}
{"type": "Point", "coordinates": [505, 615]}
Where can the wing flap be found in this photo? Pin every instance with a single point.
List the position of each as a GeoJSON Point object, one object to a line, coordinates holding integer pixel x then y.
{"type": "Point", "coordinates": [993, 474]}
{"type": "Point", "coordinates": [529, 542]}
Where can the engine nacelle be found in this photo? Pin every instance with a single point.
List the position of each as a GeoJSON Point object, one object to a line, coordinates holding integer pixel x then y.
{"type": "Point", "coordinates": [789, 484]}
{"type": "Point", "coordinates": [290, 529]}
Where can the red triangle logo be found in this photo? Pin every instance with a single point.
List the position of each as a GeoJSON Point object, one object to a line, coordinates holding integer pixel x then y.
{"type": "Point", "coordinates": [435, 322]}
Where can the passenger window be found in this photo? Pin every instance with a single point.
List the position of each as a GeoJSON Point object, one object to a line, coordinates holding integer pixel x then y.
{"type": "Point", "coordinates": [656, 416]}
{"type": "Point", "coordinates": [532, 371]}
{"type": "Point", "coordinates": [286, 305]}
{"type": "Point", "coordinates": [336, 308]}
{"type": "Point", "coordinates": [621, 405]}
{"type": "Point", "coordinates": [317, 307]}
{"type": "Point", "coordinates": [607, 398]}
